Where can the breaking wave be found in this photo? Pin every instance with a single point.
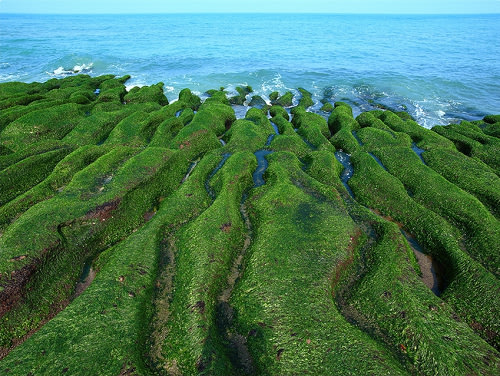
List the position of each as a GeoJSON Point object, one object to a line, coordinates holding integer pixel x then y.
{"type": "Point", "coordinates": [77, 69]}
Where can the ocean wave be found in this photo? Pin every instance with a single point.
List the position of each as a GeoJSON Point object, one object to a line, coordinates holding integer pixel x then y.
{"type": "Point", "coordinates": [411, 97]}
{"type": "Point", "coordinates": [9, 77]}
{"type": "Point", "coordinates": [427, 111]}
{"type": "Point", "coordinates": [276, 83]}
{"type": "Point", "coordinates": [77, 69]}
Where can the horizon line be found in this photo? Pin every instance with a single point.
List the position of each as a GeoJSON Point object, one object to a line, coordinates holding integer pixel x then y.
{"type": "Point", "coordinates": [246, 13]}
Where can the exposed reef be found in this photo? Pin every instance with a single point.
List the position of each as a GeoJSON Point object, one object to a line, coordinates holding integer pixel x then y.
{"type": "Point", "coordinates": [140, 236]}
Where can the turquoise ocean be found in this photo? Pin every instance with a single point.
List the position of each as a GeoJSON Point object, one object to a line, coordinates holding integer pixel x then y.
{"type": "Point", "coordinates": [441, 69]}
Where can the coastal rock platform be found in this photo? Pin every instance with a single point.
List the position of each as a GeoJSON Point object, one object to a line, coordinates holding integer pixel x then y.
{"type": "Point", "coordinates": [241, 235]}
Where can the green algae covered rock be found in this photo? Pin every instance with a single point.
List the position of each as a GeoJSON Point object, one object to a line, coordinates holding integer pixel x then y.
{"type": "Point", "coordinates": [306, 99]}
{"type": "Point", "coordinates": [327, 107]}
{"type": "Point", "coordinates": [286, 100]}
{"type": "Point", "coordinates": [4, 150]}
{"type": "Point", "coordinates": [52, 123]}
{"type": "Point", "coordinates": [492, 130]}
{"type": "Point", "coordinates": [342, 125]}
{"type": "Point", "coordinates": [258, 102]}
{"type": "Point", "coordinates": [274, 96]}
{"type": "Point", "coordinates": [473, 142]}
{"type": "Point", "coordinates": [279, 111]}
{"type": "Point", "coordinates": [146, 94]}
{"type": "Point", "coordinates": [492, 119]}
{"type": "Point", "coordinates": [191, 100]}
{"type": "Point", "coordinates": [139, 236]}
{"type": "Point", "coordinates": [312, 127]}
{"type": "Point", "coordinates": [242, 94]}
{"type": "Point", "coordinates": [12, 90]}
{"type": "Point", "coordinates": [217, 96]}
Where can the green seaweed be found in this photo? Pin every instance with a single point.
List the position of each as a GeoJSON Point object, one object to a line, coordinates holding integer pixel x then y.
{"type": "Point", "coordinates": [217, 97]}
{"type": "Point", "coordinates": [327, 107]}
{"type": "Point", "coordinates": [279, 111]}
{"type": "Point", "coordinates": [470, 174]}
{"type": "Point", "coordinates": [21, 176]}
{"type": "Point", "coordinates": [306, 99]}
{"type": "Point", "coordinates": [285, 100]}
{"type": "Point", "coordinates": [53, 123]}
{"type": "Point", "coordinates": [341, 124]}
{"type": "Point", "coordinates": [257, 101]}
{"type": "Point", "coordinates": [313, 128]}
{"type": "Point", "coordinates": [201, 270]}
{"type": "Point", "coordinates": [423, 137]}
{"type": "Point", "coordinates": [242, 95]}
{"type": "Point", "coordinates": [245, 135]}
{"type": "Point", "coordinates": [116, 306]}
{"type": "Point", "coordinates": [206, 249]}
{"type": "Point", "coordinates": [377, 189]}
{"type": "Point", "coordinates": [192, 101]}
{"type": "Point", "coordinates": [54, 183]}
{"type": "Point", "coordinates": [471, 141]}
{"type": "Point", "coordinates": [299, 243]}
{"type": "Point", "coordinates": [145, 94]}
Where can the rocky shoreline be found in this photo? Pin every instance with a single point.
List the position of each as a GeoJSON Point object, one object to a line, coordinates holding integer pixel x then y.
{"type": "Point", "coordinates": [280, 241]}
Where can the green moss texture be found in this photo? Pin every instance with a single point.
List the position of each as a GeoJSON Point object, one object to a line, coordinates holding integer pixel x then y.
{"type": "Point", "coordinates": [140, 236]}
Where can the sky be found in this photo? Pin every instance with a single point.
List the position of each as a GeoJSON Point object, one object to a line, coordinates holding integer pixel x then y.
{"type": "Point", "coordinates": [254, 6]}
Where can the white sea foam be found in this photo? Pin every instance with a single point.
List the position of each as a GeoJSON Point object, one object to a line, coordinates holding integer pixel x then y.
{"type": "Point", "coordinates": [77, 69]}
{"type": "Point", "coordinates": [131, 86]}
{"type": "Point", "coordinates": [426, 114]}
{"type": "Point", "coordinates": [82, 68]}
{"type": "Point", "coordinates": [274, 84]}
{"type": "Point", "coordinates": [9, 77]}
{"type": "Point", "coordinates": [419, 111]}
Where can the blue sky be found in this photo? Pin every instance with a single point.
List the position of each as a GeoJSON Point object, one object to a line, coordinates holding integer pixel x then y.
{"type": "Point", "coordinates": [271, 6]}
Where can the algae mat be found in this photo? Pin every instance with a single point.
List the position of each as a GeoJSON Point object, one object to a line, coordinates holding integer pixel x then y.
{"type": "Point", "coordinates": [142, 237]}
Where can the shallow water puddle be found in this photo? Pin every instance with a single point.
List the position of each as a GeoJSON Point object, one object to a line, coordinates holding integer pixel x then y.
{"type": "Point", "coordinates": [430, 268]}
{"type": "Point", "coordinates": [418, 151]}
{"type": "Point", "coordinates": [275, 127]}
{"type": "Point", "coordinates": [240, 111]}
{"type": "Point", "coordinates": [378, 161]}
{"type": "Point", "coordinates": [270, 139]}
{"type": "Point", "coordinates": [86, 278]}
{"type": "Point", "coordinates": [262, 164]}
{"type": "Point", "coordinates": [357, 138]}
{"type": "Point", "coordinates": [345, 160]}
{"type": "Point", "coordinates": [190, 170]}
{"type": "Point", "coordinates": [208, 188]}
{"type": "Point", "coordinates": [271, 136]}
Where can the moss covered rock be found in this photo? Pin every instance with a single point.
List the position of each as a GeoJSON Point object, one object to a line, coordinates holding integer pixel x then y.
{"type": "Point", "coordinates": [139, 236]}
{"type": "Point", "coordinates": [146, 94]}
{"type": "Point", "coordinates": [257, 102]}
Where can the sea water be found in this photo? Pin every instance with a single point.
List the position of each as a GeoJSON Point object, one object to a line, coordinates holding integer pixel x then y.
{"type": "Point", "coordinates": [440, 69]}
